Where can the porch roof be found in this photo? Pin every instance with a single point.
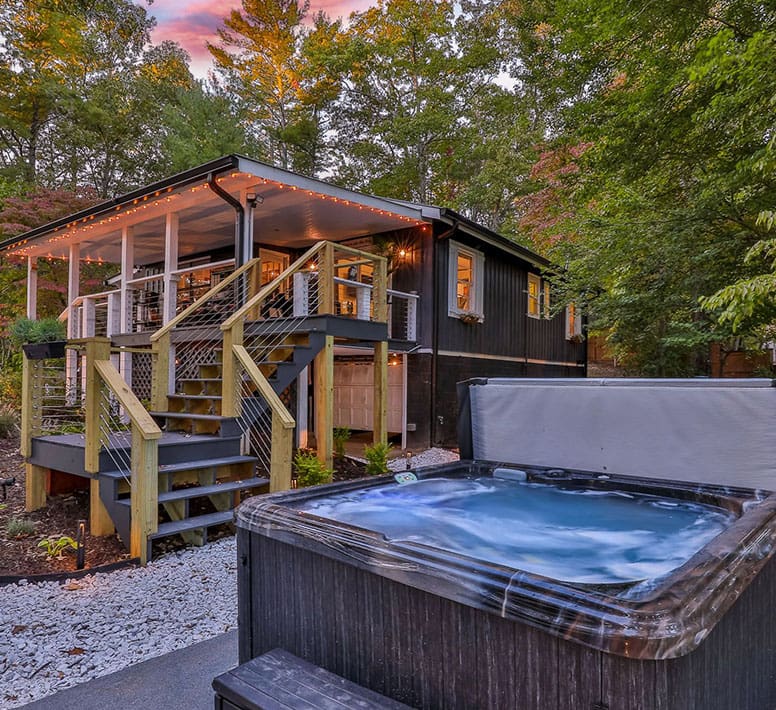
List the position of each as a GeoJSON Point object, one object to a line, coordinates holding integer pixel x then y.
{"type": "Point", "coordinates": [291, 210]}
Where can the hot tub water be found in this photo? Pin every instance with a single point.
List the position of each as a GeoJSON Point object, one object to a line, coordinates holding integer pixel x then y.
{"type": "Point", "coordinates": [565, 533]}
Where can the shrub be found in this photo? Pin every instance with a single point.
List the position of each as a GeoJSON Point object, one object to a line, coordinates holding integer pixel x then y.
{"type": "Point", "coordinates": [310, 470]}
{"type": "Point", "coordinates": [341, 436]}
{"type": "Point", "coordinates": [8, 425]}
{"type": "Point", "coordinates": [19, 527]}
{"type": "Point", "coordinates": [377, 458]}
{"type": "Point", "coordinates": [44, 330]}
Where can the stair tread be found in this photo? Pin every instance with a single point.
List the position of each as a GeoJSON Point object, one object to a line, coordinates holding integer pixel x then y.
{"type": "Point", "coordinates": [200, 521]}
{"type": "Point", "coordinates": [189, 465]}
{"type": "Point", "coordinates": [181, 395]}
{"type": "Point", "coordinates": [200, 491]}
{"type": "Point", "coordinates": [189, 415]}
{"type": "Point", "coordinates": [201, 379]}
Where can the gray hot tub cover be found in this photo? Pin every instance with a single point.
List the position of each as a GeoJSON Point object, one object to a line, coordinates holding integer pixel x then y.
{"type": "Point", "coordinates": [710, 431]}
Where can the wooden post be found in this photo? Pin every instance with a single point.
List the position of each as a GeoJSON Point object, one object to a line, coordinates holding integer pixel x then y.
{"type": "Point", "coordinates": [32, 389]}
{"type": "Point", "coordinates": [380, 415]}
{"type": "Point", "coordinates": [280, 460]}
{"type": "Point", "coordinates": [323, 374]}
{"type": "Point", "coordinates": [380, 291]}
{"type": "Point", "coordinates": [326, 280]}
{"type": "Point", "coordinates": [144, 501]}
{"type": "Point", "coordinates": [34, 487]}
{"type": "Point", "coordinates": [96, 349]}
{"type": "Point", "coordinates": [160, 373]}
{"type": "Point", "coordinates": [100, 523]}
{"type": "Point", "coordinates": [230, 395]}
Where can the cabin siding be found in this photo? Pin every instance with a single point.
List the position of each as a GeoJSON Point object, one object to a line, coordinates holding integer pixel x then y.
{"type": "Point", "coordinates": [507, 330]}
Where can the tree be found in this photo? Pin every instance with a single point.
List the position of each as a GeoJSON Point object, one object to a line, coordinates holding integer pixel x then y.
{"type": "Point", "coordinates": [675, 100]}
{"type": "Point", "coordinates": [258, 58]}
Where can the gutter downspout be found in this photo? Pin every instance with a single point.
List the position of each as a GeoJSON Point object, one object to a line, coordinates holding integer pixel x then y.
{"type": "Point", "coordinates": [239, 218]}
{"type": "Point", "coordinates": [435, 330]}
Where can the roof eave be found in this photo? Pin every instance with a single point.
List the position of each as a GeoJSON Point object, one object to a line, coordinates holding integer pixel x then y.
{"type": "Point", "coordinates": [187, 176]}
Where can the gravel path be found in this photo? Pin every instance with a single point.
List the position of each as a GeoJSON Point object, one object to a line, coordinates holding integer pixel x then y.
{"type": "Point", "coordinates": [53, 636]}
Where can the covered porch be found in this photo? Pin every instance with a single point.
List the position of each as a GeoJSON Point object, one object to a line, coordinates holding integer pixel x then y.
{"type": "Point", "coordinates": [225, 286]}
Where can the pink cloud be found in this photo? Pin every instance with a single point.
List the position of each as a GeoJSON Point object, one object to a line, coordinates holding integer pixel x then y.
{"type": "Point", "coordinates": [192, 23]}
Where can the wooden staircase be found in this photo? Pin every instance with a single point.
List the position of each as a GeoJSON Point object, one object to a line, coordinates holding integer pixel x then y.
{"type": "Point", "coordinates": [203, 474]}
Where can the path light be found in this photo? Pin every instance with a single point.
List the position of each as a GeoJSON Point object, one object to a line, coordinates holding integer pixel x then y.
{"type": "Point", "coordinates": [80, 551]}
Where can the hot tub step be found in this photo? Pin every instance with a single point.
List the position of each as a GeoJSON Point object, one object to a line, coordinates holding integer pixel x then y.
{"type": "Point", "coordinates": [278, 680]}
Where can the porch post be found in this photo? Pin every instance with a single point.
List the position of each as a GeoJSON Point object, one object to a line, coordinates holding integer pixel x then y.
{"type": "Point", "coordinates": [323, 374]}
{"type": "Point", "coordinates": [125, 324]}
{"type": "Point", "coordinates": [73, 288]}
{"type": "Point", "coordinates": [170, 265]}
{"type": "Point", "coordinates": [32, 287]}
{"type": "Point", "coordinates": [380, 315]}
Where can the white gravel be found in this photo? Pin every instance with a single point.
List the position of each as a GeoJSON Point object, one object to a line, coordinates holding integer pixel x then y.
{"type": "Point", "coordinates": [430, 457]}
{"type": "Point", "coordinates": [53, 636]}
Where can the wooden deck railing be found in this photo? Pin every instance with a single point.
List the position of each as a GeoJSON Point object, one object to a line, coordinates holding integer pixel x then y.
{"type": "Point", "coordinates": [111, 407]}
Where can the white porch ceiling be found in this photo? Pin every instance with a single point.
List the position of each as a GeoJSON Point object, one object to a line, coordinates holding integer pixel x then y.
{"type": "Point", "coordinates": [295, 212]}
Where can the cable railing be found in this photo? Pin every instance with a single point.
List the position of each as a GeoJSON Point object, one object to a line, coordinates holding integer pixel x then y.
{"type": "Point", "coordinates": [52, 397]}
{"type": "Point", "coordinates": [193, 338]}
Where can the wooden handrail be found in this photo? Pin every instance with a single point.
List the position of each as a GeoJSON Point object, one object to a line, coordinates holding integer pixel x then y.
{"type": "Point", "coordinates": [271, 286]}
{"type": "Point", "coordinates": [129, 402]}
{"type": "Point", "coordinates": [198, 303]}
{"type": "Point", "coordinates": [264, 386]}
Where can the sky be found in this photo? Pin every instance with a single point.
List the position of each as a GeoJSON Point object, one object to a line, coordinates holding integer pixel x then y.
{"type": "Point", "coordinates": [191, 23]}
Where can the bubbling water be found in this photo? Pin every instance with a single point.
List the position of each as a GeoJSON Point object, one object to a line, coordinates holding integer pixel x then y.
{"type": "Point", "coordinates": [568, 534]}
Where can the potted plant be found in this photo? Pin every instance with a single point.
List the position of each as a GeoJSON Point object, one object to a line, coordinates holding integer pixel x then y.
{"type": "Point", "coordinates": [40, 339]}
{"type": "Point", "coordinates": [469, 318]}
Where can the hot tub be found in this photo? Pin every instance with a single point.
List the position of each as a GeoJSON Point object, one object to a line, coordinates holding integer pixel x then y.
{"type": "Point", "coordinates": [459, 622]}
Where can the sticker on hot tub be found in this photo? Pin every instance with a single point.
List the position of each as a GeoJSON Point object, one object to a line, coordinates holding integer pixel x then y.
{"type": "Point", "coordinates": [405, 477]}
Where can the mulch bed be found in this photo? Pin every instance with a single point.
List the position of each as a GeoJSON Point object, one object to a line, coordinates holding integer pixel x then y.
{"type": "Point", "coordinates": [347, 469]}
{"type": "Point", "coordinates": [21, 555]}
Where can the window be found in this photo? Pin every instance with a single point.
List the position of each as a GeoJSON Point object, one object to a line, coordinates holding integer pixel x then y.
{"type": "Point", "coordinates": [538, 297]}
{"type": "Point", "coordinates": [573, 323]}
{"type": "Point", "coordinates": [465, 288]}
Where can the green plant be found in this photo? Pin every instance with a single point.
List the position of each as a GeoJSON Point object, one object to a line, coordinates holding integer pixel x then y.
{"type": "Point", "coordinates": [341, 435]}
{"type": "Point", "coordinates": [55, 547]}
{"type": "Point", "coordinates": [19, 527]}
{"type": "Point", "coordinates": [377, 458]}
{"type": "Point", "coordinates": [8, 424]}
{"type": "Point", "coordinates": [310, 470]}
{"type": "Point", "coordinates": [45, 330]}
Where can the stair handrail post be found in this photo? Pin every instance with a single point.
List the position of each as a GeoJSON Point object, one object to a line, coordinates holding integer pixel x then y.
{"type": "Point", "coordinates": [231, 401]}
{"type": "Point", "coordinates": [144, 461]}
{"type": "Point", "coordinates": [326, 280]}
{"type": "Point", "coordinates": [144, 496]}
{"type": "Point", "coordinates": [97, 349]}
{"type": "Point", "coordinates": [32, 425]}
{"type": "Point", "coordinates": [160, 371]}
{"type": "Point", "coordinates": [32, 403]}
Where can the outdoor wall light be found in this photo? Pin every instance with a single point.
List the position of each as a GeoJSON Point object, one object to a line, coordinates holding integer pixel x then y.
{"type": "Point", "coordinates": [253, 199]}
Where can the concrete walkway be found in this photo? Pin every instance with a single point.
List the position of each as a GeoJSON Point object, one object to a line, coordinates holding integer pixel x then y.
{"type": "Point", "coordinates": [180, 679]}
